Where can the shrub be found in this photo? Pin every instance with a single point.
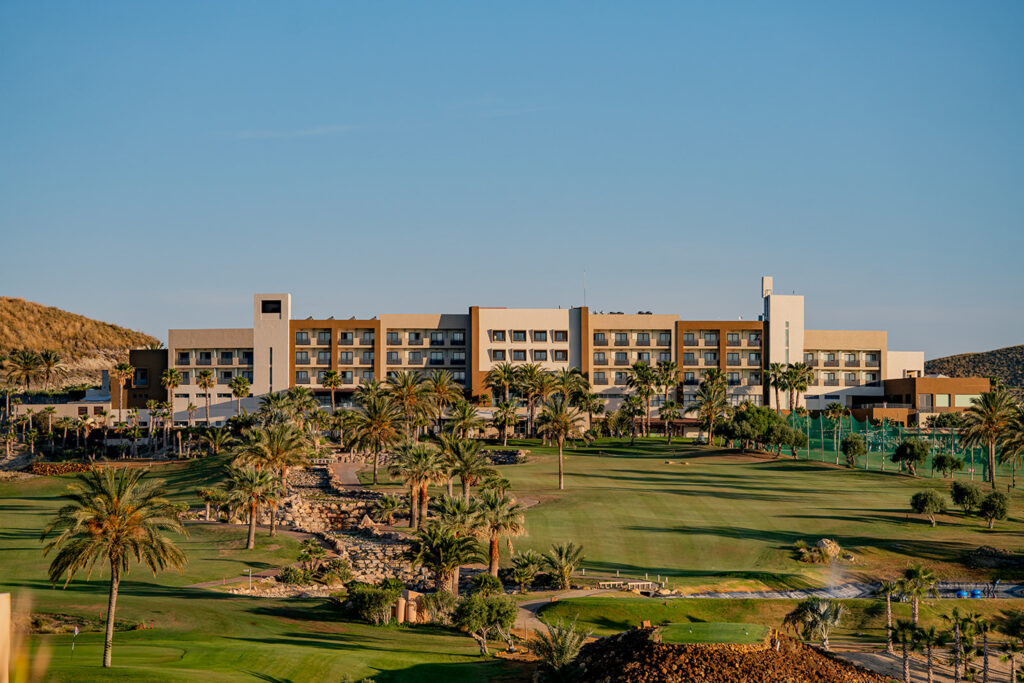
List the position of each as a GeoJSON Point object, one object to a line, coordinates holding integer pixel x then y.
{"type": "Point", "coordinates": [481, 615]}
{"type": "Point", "coordinates": [912, 452]}
{"type": "Point", "coordinates": [928, 503]}
{"type": "Point", "coordinates": [485, 584]}
{"type": "Point", "coordinates": [336, 570]}
{"type": "Point", "coordinates": [965, 496]}
{"type": "Point", "coordinates": [853, 448]}
{"type": "Point", "coordinates": [995, 506]}
{"type": "Point", "coordinates": [558, 648]}
{"type": "Point", "coordinates": [441, 606]}
{"type": "Point", "coordinates": [370, 603]}
{"type": "Point", "coordinates": [946, 464]}
{"type": "Point", "coordinates": [53, 469]}
{"type": "Point", "coordinates": [293, 576]}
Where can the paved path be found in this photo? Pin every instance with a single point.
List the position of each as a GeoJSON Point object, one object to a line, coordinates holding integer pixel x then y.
{"type": "Point", "coordinates": [347, 472]}
{"type": "Point", "coordinates": [527, 620]}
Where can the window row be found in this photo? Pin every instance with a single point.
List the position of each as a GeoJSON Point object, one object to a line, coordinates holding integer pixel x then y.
{"type": "Point", "coordinates": [345, 337]}
{"type": "Point", "coordinates": [849, 358]}
{"type": "Point", "coordinates": [207, 357]}
{"type": "Point", "coordinates": [434, 357]}
{"type": "Point", "coordinates": [537, 355]}
{"type": "Point", "coordinates": [622, 357]}
{"type": "Point", "coordinates": [733, 379]}
{"type": "Point", "coordinates": [642, 339]}
{"type": "Point", "coordinates": [537, 335]}
{"type": "Point", "coordinates": [713, 338]}
{"type": "Point", "coordinates": [222, 376]}
{"type": "Point", "coordinates": [437, 338]}
{"type": "Point", "coordinates": [731, 358]}
{"type": "Point", "coordinates": [344, 357]}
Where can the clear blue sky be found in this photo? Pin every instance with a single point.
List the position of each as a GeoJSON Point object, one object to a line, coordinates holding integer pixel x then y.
{"type": "Point", "coordinates": [159, 162]}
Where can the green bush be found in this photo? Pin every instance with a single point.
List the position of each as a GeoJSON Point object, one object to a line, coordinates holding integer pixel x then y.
{"type": "Point", "coordinates": [370, 603]}
{"type": "Point", "coordinates": [336, 570]}
{"type": "Point", "coordinates": [853, 448]}
{"type": "Point", "coordinates": [911, 453]}
{"type": "Point", "coordinates": [946, 464]}
{"type": "Point", "coordinates": [995, 506]}
{"type": "Point", "coordinates": [485, 584]}
{"type": "Point", "coordinates": [293, 576]}
{"type": "Point", "coordinates": [440, 605]}
{"type": "Point", "coordinates": [928, 503]}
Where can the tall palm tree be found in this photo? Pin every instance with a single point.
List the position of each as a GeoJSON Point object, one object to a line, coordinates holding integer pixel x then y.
{"type": "Point", "coordinates": [458, 515]}
{"type": "Point", "coordinates": [51, 366]}
{"type": "Point", "coordinates": [592, 404]}
{"type": "Point", "coordinates": [816, 618]}
{"type": "Point", "coordinates": [986, 422]}
{"type": "Point", "coordinates": [113, 516]}
{"type": "Point", "coordinates": [369, 389]}
{"type": "Point", "coordinates": [469, 465]}
{"type": "Point", "coordinates": [217, 440]}
{"type": "Point", "coordinates": [408, 392]}
{"type": "Point", "coordinates": [1013, 628]}
{"type": "Point", "coordinates": [441, 390]}
{"type": "Point", "coordinates": [929, 639]}
{"type": "Point", "coordinates": [888, 589]}
{"type": "Point", "coordinates": [917, 582]}
{"type": "Point", "coordinates": [503, 417]}
{"type": "Point", "coordinates": [563, 560]}
{"type": "Point", "coordinates": [569, 382]}
{"type": "Point", "coordinates": [502, 376]}
{"type": "Point", "coordinates": [465, 418]}
{"type": "Point", "coordinates": [560, 421]}
{"type": "Point", "coordinates": [668, 376]}
{"type": "Point", "coordinates": [240, 387]}
{"type": "Point", "coordinates": [776, 380]}
{"type": "Point", "coordinates": [377, 426]}
{"type": "Point", "coordinates": [906, 636]}
{"type": "Point", "coordinates": [642, 380]}
{"type": "Point", "coordinates": [171, 380]}
{"type": "Point", "coordinates": [668, 413]}
{"type": "Point", "coordinates": [836, 412]}
{"type": "Point", "coordinates": [803, 375]}
{"type": "Point", "coordinates": [253, 489]}
{"type": "Point", "coordinates": [300, 403]}
{"type": "Point", "coordinates": [438, 549]}
{"type": "Point", "coordinates": [23, 366]}
{"type": "Point", "coordinates": [499, 517]}
{"type": "Point", "coordinates": [960, 624]}
{"type": "Point", "coordinates": [123, 372]}
{"type": "Point", "coordinates": [420, 466]}
{"type": "Point", "coordinates": [206, 381]}
{"type": "Point", "coordinates": [710, 404]}
{"type": "Point", "coordinates": [530, 384]}
{"type": "Point", "coordinates": [331, 381]}
{"type": "Point", "coordinates": [983, 627]}
{"type": "Point", "coordinates": [276, 448]}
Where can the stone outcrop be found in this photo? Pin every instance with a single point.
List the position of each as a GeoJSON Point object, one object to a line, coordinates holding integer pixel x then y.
{"type": "Point", "coordinates": [507, 457]}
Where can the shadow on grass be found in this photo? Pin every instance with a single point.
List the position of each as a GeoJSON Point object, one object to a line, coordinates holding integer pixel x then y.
{"type": "Point", "coordinates": [134, 588]}
{"type": "Point", "coordinates": [773, 580]}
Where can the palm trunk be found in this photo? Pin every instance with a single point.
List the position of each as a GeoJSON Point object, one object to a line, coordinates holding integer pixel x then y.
{"type": "Point", "coordinates": [465, 490]}
{"type": "Point", "coordinates": [504, 436]}
{"type": "Point", "coordinates": [992, 463]}
{"type": "Point", "coordinates": [108, 640]}
{"type": "Point", "coordinates": [207, 511]}
{"type": "Point", "coordinates": [916, 603]}
{"type": "Point", "coordinates": [376, 457]}
{"type": "Point", "coordinates": [207, 408]}
{"type": "Point", "coordinates": [454, 581]}
{"type": "Point", "coordinates": [984, 657]}
{"type": "Point", "coordinates": [450, 485]}
{"type": "Point", "coordinates": [273, 520]}
{"type": "Point", "coordinates": [493, 568]}
{"type": "Point", "coordinates": [251, 543]}
{"type": "Point", "coordinates": [414, 507]}
{"type": "Point", "coordinates": [957, 653]}
{"type": "Point", "coordinates": [931, 677]}
{"type": "Point", "coordinates": [561, 474]}
{"type": "Point", "coordinates": [888, 624]}
{"type": "Point", "coordinates": [906, 664]}
{"type": "Point", "coordinates": [424, 503]}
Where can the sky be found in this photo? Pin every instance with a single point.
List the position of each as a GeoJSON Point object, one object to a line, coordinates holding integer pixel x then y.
{"type": "Point", "coordinates": [160, 162]}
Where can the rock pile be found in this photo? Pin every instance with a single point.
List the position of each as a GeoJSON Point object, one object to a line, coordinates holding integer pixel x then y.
{"type": "Point", "coordinates": [510, 457]}
{"type": "Point", "coordinates": [374, 555]}
{"type": "Point", "coordinates": [633, 657]}
{"type": "Point", "coordinates": [987, 557]}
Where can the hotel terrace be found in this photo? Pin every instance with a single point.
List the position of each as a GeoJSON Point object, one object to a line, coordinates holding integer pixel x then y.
{"type": "Point", "coordinates": [279, 352]}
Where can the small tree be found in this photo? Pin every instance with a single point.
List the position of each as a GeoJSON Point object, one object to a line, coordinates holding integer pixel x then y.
{"type": "Point", "coordinates": [965, 496]}
{"type": "Point", "coordinates": [912, 452]}
{"type": "Point", "coordinates": [558, 648]}
{"type": "Point", "coordinates": [853, 448]}
{"type": "Point", "coordinates": [482, 615]}
{"type": "Point", "coordinates": [945, 463]}
{"type": "Point", "coordinates": [995, 506]}
{"type": "Point", "coordinates": [563, 560]}
{"type": "Point", "coordinates": [311, 554]}
{"type": "Point", "coordinates": [486, 584]}
{"type": "Point", "coordinates": [928, 503]}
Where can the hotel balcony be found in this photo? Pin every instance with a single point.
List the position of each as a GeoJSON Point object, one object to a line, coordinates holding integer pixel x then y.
{"type": "Point", "coordinates": [851, 364]}
{"type": "Point", "coordinates": [831, 364]}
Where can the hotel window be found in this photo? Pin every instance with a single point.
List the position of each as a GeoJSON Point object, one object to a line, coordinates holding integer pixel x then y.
{"type": "Point", "coordinates": [98, 410]}
{"type": "Point", "coordinates": [518, 335]}
{"type": "Point", "coordinates": [437, 338]}
{"type": "Point", "coordinates": [458, 338]}
{"type": "Point", "coordinates": [301, 377]}
{"type": "Point", "coordinates": [830, 356]}
{"type": "Point", "coordinates": [183, 358]}
{"type": "Point", "coordinates": [246, 358]}
{"type": "Point", "coordinates": [664, 338]}
{"type": "Point", "coordinates": [664, 356]}
{"type": "Point", "coordinates": [83, 410]}
{"type": "Point", "coordinates": [369, 336]}
{"type": "Point", "coordinates": [733, 378]}
{"type": "Point", "coordinates": [225, 396]}
{"type": "Point", "coordinates": [415, 337]}
{"type": "Point", "coordinates": [620, 377]}
{"type": "Point", "coordinates": [599, 357]}
{"type": "Point", "coordinates": [323, 357]}
{"type": "Point", "coordinates": [830, 377]}
{"type": "Point", "coordinates": [561, 355]}
{"type": "Point", "coordinates": [205, 357]}
{"type": "Point", "coordinates": [498, 354]}
{"type": "Point", "coordinates": [320, 376]}
{"type": "Point", "coordinates": [227, 358]}
{"type": "Point", "coordinates": [599, 378]}
{"type": "Point", "coordinates": [247, 374]}
{"type": "Point", "coordinates": [368, 356]}
{"type": "Point", "coordinates": [323, 338]}
{"type": "Point", "coordinates": [755, 358]}
{"type": "Point", "coordinates": [392, 338]}
{"type": "Point", "coordinates": [302, 357]}
{"type": "Point", "coordinates": [732, 338]}
{"type": "Point", "coordinates": [689, 339]}
{"type": "Point", "coordinates": [393, 357]}
{"type": "Point", "coordinates": [415, 356]}
{"type": "Point", "coordinates": [643, 357]}
{"type": "Point", "coordinates": [498, 335]}
{"type": "Point", "coordinates": [941, 400]}
{"type": "Point", "coordinates": [458, 357]}
{"type": "Point", "coordinates": [561, 336]}
{"type": "Point", "coordinates": [732, 358]}
{"type": "Point", "coordinates": [540, 355]}
{"type": "Point", "coordinates": [270, 306]}
{"type": "Point", "coordinates": [689, 357]}
{"type": "Point", "coordinates": [621, 358]}
{"type": "Point", "coordinates": [367, 375]}
{"type": "Point", "coordinates": [519, 355]}
{"type": "Point", "coordinates": [643, 338]}
{"type": "Point", "coordinates": [302, 337]}
{"type": "Point", "coordinates": [141, 378]}
{"type": "Point", "coordinates": [225, 376]}
{"type": "Point", "coordinates": [689, 378]}
{"type": "Point", "coordinates": [459, 376]}
{"type": "Point", "coordinates": [851, 357]}
{"type": "Point", "coordinates": [851, 377]}
{"type": "Point", "coordinates": [437, 357]}
{"type": "Point", "coordinates": [185, 377]}
{"type": "Point", "coordinates": [873, 377]}
{"type": "Point", "coordinates": [600, 338]}
{"type": "Point", "coordinates": [540, 335]}
{"type": "Point", "coordinates": [391, 373]}
{"type": "Point", "coordinates": [711, 338]}
{"type": "Point", "coordinates": [345, 358]}
{"type": "Point", "coordinates": [621, 338]}
{"type": "Point", "coordinates": [346, 338]}
{"type": "Point", "coordinates": [809, 358]}
{"type": "Point", "coordinates": [710, 357]}
{"type": "Point", "coordinates": [755, 378]}
{"type": "Point", "coordinates": [346, 376]}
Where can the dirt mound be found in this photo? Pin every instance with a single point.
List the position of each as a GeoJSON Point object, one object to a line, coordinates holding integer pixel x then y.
{"type": "Point", "coordinates": [633, 657]}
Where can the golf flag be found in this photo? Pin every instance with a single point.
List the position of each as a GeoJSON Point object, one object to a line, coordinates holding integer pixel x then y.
{"type": "Point", "coordinates": [73, 639]}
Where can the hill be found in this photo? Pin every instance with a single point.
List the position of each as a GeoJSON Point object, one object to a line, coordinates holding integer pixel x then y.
{"type": "Point", "coordinates": [1007, 364]}
{"type": "Point", "coordinates": [87, 346]}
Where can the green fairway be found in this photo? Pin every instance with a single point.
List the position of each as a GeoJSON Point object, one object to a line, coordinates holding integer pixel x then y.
{"type": "Point", "coordinates": [712, 633]}
{"type": "Point", "coordinates": [203, 634]}
{"type": "Point", "coordinates": [717, 518]}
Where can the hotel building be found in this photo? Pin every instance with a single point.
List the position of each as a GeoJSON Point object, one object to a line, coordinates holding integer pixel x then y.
{"type": "Point", "coordinates": [279, 352]}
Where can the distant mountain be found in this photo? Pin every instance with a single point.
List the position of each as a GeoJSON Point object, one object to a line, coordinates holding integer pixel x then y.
{"type": "Point", "coordinates": [87, 346]}
{"type": "Point", "coordinates": [1006, 364]}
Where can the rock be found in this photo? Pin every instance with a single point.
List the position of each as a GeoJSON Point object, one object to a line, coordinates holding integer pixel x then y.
{"type": "Point", "coordinates": [829, 547]}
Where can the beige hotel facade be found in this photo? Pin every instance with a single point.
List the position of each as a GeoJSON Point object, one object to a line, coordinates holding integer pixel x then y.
{"type": "Point", "coordinates": [279, 352]}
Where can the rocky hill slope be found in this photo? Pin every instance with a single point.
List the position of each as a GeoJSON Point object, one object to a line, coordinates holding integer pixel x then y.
{"type": "Point", "coordinates": [87, 346]}
{"type": "Point", "coordinates": [1007, 364]}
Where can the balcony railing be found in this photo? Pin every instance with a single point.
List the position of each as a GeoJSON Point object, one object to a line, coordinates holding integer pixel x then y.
{"type": "Point", "coordinates": [752, 382]}
{"type": "Point", "coordinates": [323, 361]}
{"type": "Point", "coordinates": [302, 380]}
{"type": "Point", "coordinates": [437, 342]}
{"type": "Point", "coordinates": [394, 361]}
{"type": "Point", "coordinates": [873, 364]}
{"type": "Point", "coordinates": [601, 380]}
{"type": "Point", "coordinates": [754, 342]}
{"type": "Point", "coordinates": [601, 361]}
{"type": "Point", "coordinates": [810, 361]}
{"type": "Point", "coordinates": [733, 363]}
{"type": "Point", "coordinates": [622, 342]}
{"type": "Point", "coordinates": [731, 342]}
{"type": "Point", "coordinates": [416, 362]}
{"type": "Point", "coordinates": [690, 341]}
{"type": "Point", "coordinates": [222, 380]}
{"type": "Point", "coordinates": [204, 361]}
{"type": "Point", "coordinates": [620, 382]}
{"type": "Point", "coordinates": [851, 364]}
{"type": "Point", "coordinates": [600, 342]}
{"type": "Point", "coordinates": [665, 342]}
{"type": "Point", "coordinates": [366, 361]}
{"type": "Point", "coordinates": [416, 342]}
{"type": "Point", "coordinates": [184, 360]}
{"type": "Point", "coordinates": [229, 360]}
{"type": "Point", "coordinates": [245, 360]}
{"type": "Point", "coordinates": [711, 342]}
{"type": "Point", "coordinates": [852, 382]}
{"type": "Point", "coordinates": [690, 382]}
{"type": "Point", "coordinates": [831, 364]}
{"type": "Point", "coordinates": [734, 382]}
{"type": "Point", "coordinates": [458, 341]}
{"type": "Point", "coordinates": [460, 361]}
{"type": "Point", "coordinates": [754, 362]}
{"type": "Point", "coordinates": [691, 362]}
{"type": "Point", "coordinates": [831, 382]}
{"type": "Point", "coordinates": [366, 340]}
{"type": "Point", "coordinates": [437, 361]}
{"type": "Point", "coordinates": [348, 380]}
{"type": "Point", "coordinates": [621, 362]}
{"type": "Point", "coordinates": [640, 342]}
{"type": "Point", "coordinates": [342, 341]}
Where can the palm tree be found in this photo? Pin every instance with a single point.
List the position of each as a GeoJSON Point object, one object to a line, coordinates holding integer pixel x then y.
{"type": "Point", "coordinates": [592, 404]}
{"type": "Point", "coordinates": [983, 627]}
{"type": "Point", "coordinates": [408, 392]}
{"type": "Point", "coordinates": [332, 381]}
{"type": "Point", "coordinates": [300, 403]}
{"type": "Point", "coordinates": [836, 412]}
{"type": "Point", "coordinates": [420, 466]}
{"type": "Point", "coordinates": [563, 560]}
{"type": "Point", "coordinates": [502, 376]}
{"type": "Point", "coordinates": [816, 618]}
{"type": "Point", "coordinates": [776, 379]}
{"type": "Point", "coordinates": [369, 389]}
{"type": "Point", "coordinates": [217, 440]}
{"type": "Point", "coordinates": [642, 380]}
{"type": "Point", "coordinates": [240, 387]}
{"type": "Point", "coordinates": [917, 582]}
{"type": "Point", "coordinates": [51, 365]}
{"type": "Point", "coordinates": [961, 625]}
{"type": "Point", "coordinates": [525, 567]}
{"type": "Point", "coordinates": [1012, 446]}
{"type": "Point", "coordinates": [559, 646]}
{"type": "Point", "coordinates": [464, 418]}
{"type": "Point", "coordinates": [123, 372]}
{"type": "Point", "coordinates": [1013, 647]}
{"type": "Point", "coordinates": [803, 375]}
{"type": "Point", "coordinates": [499, 517]}
{"type": "Point", "coordinates": [113, 516]}
{"type": "Point", "coordinates": [560, 421]}
{"type": "Point", "coordinates": [906, 635]}
{"type": "Point", "coordinates": [469, 465]}
{"type": "Point", "coordinates": [376, 426]}
{"type": "Point", "coordinates": [206, 381]}
{"type": "Point", "coordinates": [889, 589]}
{"type": "Point", "coordinates": [710, 403]}
{"type": "Point", "coordinates": [191, 409]}
{"type": "Point", "coordinates": [530, 384]}
{"type": "Point", "coordinates": [23, 366]}
{"type": "Point", "coordinates": [569, 382]}
{"type": "Point", "coordinates": [668, 376]}
{"type": "Point", "coordinates": [171, 380]}
{"type": "Point", "coordinates": [986, 422]}
{"type": "Point", "coordinates": [211, 495]}
{"type": "Point", "coordinates": [458, 515]}
{"type": "Point", "coordinates": [253, 488]}
{"type": "Point", "coordinates": [632, 407]}
{"type": "Point", "coordinates": [670, 411]}
{"type": "Point", "coordinates": [503, 417]}
{"type": "Point", "coordinates": [276, 448]}
{"type": "Point", "coordinates": [386, 508]}
{"type": "Point", "coordinates": [438, 549]}
{"type": "Point", "coordinates": [928, 640]}
{"type": "Point", "coordinates": [441, 390]}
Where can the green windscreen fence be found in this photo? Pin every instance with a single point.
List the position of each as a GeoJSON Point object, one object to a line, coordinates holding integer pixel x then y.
{"type": "Point", "coordinates": [825, 437]}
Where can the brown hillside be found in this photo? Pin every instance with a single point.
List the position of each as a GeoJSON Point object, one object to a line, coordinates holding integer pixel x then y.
{"type": "Point", "coordinates": [1007, 364]}
{"type": "Point", "coordinates": [87, 345]}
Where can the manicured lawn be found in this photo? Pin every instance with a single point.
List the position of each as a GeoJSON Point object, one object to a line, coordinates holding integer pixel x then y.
{"type": "Point", "coordinates": [202, 634]}
{"type": "Point", "coordinates": [712, 633]}
{"type": "Point", "coordinates": [712, 517]}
